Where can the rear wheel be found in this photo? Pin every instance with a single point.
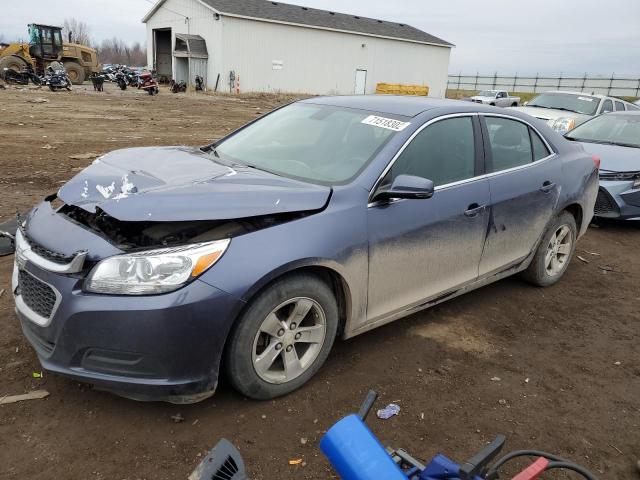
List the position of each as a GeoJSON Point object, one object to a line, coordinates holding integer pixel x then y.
{"type": "Point", "coordinates": [554, 252]}
{"type": "Point", "coordinates": [283, 338]}
{"type": "Point", "coordinates": [75, 72]}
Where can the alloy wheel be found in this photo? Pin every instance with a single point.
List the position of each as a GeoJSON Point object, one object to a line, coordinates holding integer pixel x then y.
{"type": "Point", "coordinates": [289, 340]}
{"type": "Point", "coordinates": [559, 251]}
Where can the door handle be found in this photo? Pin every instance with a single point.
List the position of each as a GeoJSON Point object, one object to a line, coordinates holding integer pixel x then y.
{"type": "Point", "coordinates": [547, 187]}
{"type": "Point", "coordinates": [474, 210]}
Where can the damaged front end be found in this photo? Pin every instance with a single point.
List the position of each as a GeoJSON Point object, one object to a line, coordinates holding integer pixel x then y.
{"type": "Point", "coordinates": [130, 236]}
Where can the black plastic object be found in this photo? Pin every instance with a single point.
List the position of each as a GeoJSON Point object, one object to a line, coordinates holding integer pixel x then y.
{"type": "Point", "coordinates": [479, 464]}
{"type": "Point", "coordinates": [224, 462]}
{"type": "Point", "coordinates": [7, 236]}
{"type": "Point", "coordinates": [367, 405]}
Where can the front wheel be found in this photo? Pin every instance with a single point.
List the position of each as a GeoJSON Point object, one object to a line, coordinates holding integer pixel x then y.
{"type": "Point", "coordinates": [554, 252]}
{"type": "Point", "coordinates": [283, 338]}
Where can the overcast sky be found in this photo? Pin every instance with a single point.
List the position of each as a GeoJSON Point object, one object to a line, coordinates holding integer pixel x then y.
{"type": "Point", "coordinates": [508, 36]}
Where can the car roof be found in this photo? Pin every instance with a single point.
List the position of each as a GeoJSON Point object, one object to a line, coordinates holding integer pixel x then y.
{"type": "Point", "coordinates": [407, 106]}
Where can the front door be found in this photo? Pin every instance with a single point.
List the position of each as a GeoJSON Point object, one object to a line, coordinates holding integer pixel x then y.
{"type": "Point", "coordinates": [361, 82]}
{"type": "Point", "coordinates": [421, 249]}
{"type": "Point", "coordinates": [525, 179]}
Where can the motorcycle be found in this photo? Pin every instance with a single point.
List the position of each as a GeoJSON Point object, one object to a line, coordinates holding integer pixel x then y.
{"type": "Point", "coordinates": [57, 80]}
{"type": "Point", "coordinates": [356, 454]}
{"type": "Point", "coordinates": [23, 77]}
{"type": "Point", "coordinates": [121, 80]}
{"type": "Point", "coordinates": [148, 83]}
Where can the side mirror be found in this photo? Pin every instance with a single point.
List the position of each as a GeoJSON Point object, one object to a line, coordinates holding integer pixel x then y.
{"type": "Point", "coordinates": [407, 187]}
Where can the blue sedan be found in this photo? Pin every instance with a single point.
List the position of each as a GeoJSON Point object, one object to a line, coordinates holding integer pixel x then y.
{"type": "Point", "coordinates": [156, 267]}
{"type": "Point", "coordinates": [615, 138]}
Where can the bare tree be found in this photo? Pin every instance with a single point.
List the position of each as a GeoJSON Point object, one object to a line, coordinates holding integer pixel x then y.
{"type": "Point", "coordinates": [80, 31]}
{"type": "Point", "coordinates": [115, 50]}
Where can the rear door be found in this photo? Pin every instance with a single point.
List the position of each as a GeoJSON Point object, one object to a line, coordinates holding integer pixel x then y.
{"type": "Point", "coordinates": [420, 249]}
{"type": "Point", "coordinates": [525, 180]}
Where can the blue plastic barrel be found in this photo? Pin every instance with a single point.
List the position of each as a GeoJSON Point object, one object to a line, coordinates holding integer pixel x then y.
{"type": "Point", "coordinates": [356, 454]}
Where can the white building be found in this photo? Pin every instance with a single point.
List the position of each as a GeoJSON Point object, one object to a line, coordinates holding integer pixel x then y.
{"type": "Point", "coordinates": [268, 46]}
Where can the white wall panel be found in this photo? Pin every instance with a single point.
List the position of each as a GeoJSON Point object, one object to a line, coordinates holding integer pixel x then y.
{"type": "Point", "coordinates": [271, 57]}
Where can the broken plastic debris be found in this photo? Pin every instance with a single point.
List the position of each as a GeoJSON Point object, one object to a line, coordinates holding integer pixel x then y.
{"type": "Point", "coordinates": [295, 461]}
{"type": "Point", "coordinates": [389, 411]}
{"type": "Point", "coordinates": [37, 374]}
{"type": "Point", "coordinates": [35, 395]}
{"type": "Point", "coordinates": [177, 418]}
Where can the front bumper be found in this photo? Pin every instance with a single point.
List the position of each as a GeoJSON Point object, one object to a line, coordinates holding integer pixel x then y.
{"type": "Point", "coordinates": [165, 347]}
{"type": "Point", "coordinates": [619, 200]}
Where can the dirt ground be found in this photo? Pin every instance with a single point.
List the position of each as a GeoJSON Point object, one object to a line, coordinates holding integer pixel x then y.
{"type": "Point", "coordinates": [555, 369]}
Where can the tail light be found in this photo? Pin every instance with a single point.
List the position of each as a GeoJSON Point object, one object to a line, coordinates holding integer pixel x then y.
{"type": "Point", "coordinates": [596, 161]}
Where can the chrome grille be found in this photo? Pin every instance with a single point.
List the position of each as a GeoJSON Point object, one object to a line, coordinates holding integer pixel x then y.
{"type": "Point", "coordinates": [36, 295]}
{"type": "Point", "coordinates": [620, 176]}
{"type": "Point", "coordinates": [49, 255]}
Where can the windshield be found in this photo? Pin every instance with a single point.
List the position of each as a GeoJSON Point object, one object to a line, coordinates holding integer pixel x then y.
{"type": "Point", "coordinates": [613, 129]}
{"type": "Point", "coordinates": [316, 143]}
{"type": "Point", "coordinates": [566, 101]}
{"type": "Point", "coordinates": [487, 93]}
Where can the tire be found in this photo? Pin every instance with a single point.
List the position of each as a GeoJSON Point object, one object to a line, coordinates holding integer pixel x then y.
{"type": "Point", "coordinates": [75, 72]}
{"type": "Point", "coordinates": [492, 104]}
{"type": "Point", "coordinates": [542, 272]}
{"type": "Point", "coordinates": [514, 104]}
{"type": "Point", "coordinates": [274, 310]}
{"type": "Point", "coordinates": [12, 62]}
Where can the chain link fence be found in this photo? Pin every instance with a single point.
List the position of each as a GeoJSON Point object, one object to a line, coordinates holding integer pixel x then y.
{"type": "Point", "coordinates": [614, 85]}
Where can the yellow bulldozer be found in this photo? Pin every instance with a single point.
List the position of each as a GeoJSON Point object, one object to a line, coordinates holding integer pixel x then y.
{"type": "Point", "coordinates": [46, 46]}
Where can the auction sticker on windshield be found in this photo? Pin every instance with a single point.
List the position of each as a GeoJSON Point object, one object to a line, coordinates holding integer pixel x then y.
{"type": "Point", "coordinates": [388, 123]}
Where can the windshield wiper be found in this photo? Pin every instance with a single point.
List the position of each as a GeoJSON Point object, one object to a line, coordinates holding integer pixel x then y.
{"type": "Point", "coordinates": [603, 142]}
{"type": "Point", "coordinates": [565, 109]}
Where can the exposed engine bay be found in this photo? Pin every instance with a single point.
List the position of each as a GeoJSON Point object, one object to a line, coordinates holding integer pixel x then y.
{"type": "Point", "coordinates": [131, 236]}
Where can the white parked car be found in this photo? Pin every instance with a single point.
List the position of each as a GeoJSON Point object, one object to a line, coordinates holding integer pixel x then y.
{"type": "Point", "coordinates": [564, 111]}
{"type": "Point", "coordinates": [498, 98]}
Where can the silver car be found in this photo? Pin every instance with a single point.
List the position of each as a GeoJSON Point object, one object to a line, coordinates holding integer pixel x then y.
{"type": "Point", "coordinates": [615, 138]}
{"type": "Point", "coordinates": [564, 111]}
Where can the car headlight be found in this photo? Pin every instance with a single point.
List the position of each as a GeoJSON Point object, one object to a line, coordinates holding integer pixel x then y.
{"type": "Point", "coordinates": [154, 271]}
{"type": "Point", "coordinates": [562, 125]}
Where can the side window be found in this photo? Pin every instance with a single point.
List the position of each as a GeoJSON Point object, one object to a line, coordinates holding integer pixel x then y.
{"type": "Point", "coordinates": [510, 143]}
{"type": "Point", "coordinates": [443, 152]}
{"type": "Point", "coordinates": [619, 107]}
{"type": "Point", "coordinates": [607, 106]}
{"type": "Point", "coordinates": [540, 150]}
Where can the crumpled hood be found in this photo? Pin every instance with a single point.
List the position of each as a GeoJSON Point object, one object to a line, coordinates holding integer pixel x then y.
{"type": "Point", "coordinates": [549, 114]}
{"type": "Point", "coordinates": [183, 184]}
{"type": "Point", "coordinates": [615, 158]}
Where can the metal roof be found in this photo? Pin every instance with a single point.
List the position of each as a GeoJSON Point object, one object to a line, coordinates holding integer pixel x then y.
{"type": "Point", "coordinates": [278, 12]}
{"type": "Point", "coordinates": [193, 46]}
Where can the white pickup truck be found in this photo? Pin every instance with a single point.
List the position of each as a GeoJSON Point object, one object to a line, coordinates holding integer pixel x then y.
{"type": "Point", "coordinates": [498, 98]}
